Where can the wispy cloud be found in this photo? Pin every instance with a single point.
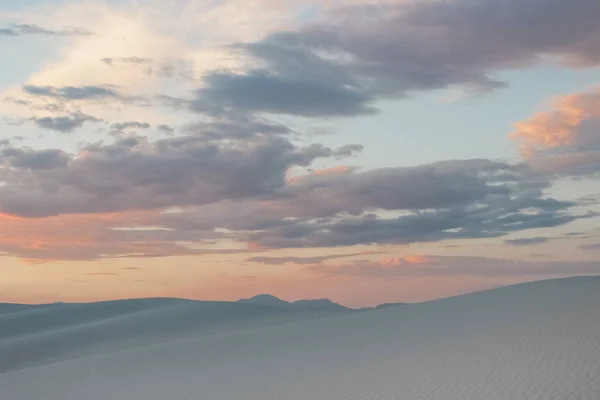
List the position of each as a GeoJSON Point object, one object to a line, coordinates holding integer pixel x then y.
{"type": "Point", "coordinates": [446, 266]}
{"type": "Point", "coordinates": [590, 247]}
{"type": "Point", "coordinates": [126, 60]}
{"type": "Point", "coordinates": [71, 92]}
{"type": "Point", "coordinates": [300, 260]}
{"type": "Point", "coordinates": [31, 29]}
{"type": "Point", "coordinates": [527, 241]}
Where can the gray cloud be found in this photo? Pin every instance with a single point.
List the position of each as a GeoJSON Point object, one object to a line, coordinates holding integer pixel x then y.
{"type": "Point", "coordinates": [413, 228]}
{"type": "Point", "coordinates": [64, 124]}
{"type": "Point", "coordinates": [73, 92]}
{"type": "Point", "coordinates": [242, 127]}
{"type": "Point", "coordinates": [590, 247]}
{"type": "Point", "coordinates": [591, 199]}
{"type": "Point", "coordinates": [240, 187]}
{"type": "Point", "coordinates": [230, 171]}
{"type": "Point", "coordinates": [360, 54]}
{"type": "Point", "coordinates": [224, 177]}
{"type": "Point", "coordinates": [447, 200]}
{"type": "Point", "coordinates": [299, 260]}
{"type": "Point", "coordinates": [527, 241]}
{"type": "Point", "coordinates": [260, 91]}
{"type": "Point", "coordinates": [29, 29]}
{"type": "Point", "coordinates": [33, 159]}
{"type": "Point", "coordinates": [133, 173]}
{"type": "Point", "coordinates": [578, 164]}
{"type": "Point", "coordinates": [120, 126]}
{"type": "Point", "coordinates": [166, 129]}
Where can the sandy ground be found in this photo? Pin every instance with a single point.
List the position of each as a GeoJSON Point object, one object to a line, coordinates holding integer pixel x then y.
{"type": "Point", "coordinates": [534, 341]}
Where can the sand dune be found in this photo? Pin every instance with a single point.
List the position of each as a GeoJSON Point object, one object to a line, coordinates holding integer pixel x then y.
{"type": "Point", "coordinates": [536, 340]}
{"type": "Point", "coordinates": [40, 335]}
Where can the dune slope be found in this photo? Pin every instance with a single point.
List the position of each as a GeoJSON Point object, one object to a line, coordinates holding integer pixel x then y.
{"type": "Point", "coordinates": [536, 340]}
{"type": "Point", "coordinates": [41, 335]}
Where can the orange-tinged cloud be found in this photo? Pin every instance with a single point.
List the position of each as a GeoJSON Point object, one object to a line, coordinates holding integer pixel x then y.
{"type": "Point", "coordinates": [408, 260]}
{"type": "Point", "coordinates": [557, 128]}
{"type": "Point", "coordinates": [79, 237]}
{"type": "Point", "coordinates": [417, 259]}
{"type": "Point", "coordinates": [256, 246]}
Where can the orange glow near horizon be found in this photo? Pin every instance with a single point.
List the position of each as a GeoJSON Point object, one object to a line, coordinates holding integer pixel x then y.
{"type": "Point", "coordinates": [123, 279]}
{"type": "Point", "coordinates": [411, 260]}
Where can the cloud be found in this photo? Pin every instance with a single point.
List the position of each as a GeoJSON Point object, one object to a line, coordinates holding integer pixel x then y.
{"type": "Point", "coordinates": [240, 185]}
{"type": "Point", "coordinates": [566, 140]}
{"type": "Point", "coordinates": [121, 126]}
{"type": "Point", "coordinates": [574, 124]}
{"type": "Point", "coordinates": [527, 241]}
{"type": "Point", "coordinates": [299, 260]}
{"type": "Point", "coordinates": [259, 91]}
{"type": "Point", "coordinates": [417, 227]}
{"type": "Point", "coordinates": [134, 173]}
{"type": "Point", "coordinates": [80, 93]}
{"type": "Point", "coordinates": [446, 266]}
{"type": "Point", "coordinates": [30, 159]}
{"type": "Point", "coordinates": [71, 92]}
{"type": "Point", "coordinates": [441, 201]}
{"type": "Point", "coordinates": [357, 54]}
{"type": "Point", "coordinates": [126, 60]}
{"type": "Point", "coordinates": [94, 237]}
{"type": "Point", "coordinates": [590, 247]}
{"type": "Point", "coordinates": [242, 127]}
{"type": "Point", "coordinates": [30, 29]}
{"type": "Point", "coordinates": [410, 260]}
{"type": "Point", "coordinates": [325, 210]}
{"type": "Point", "coordinates": [230, 174]}
{"type": "Point", "coordinates": [64, 124]}
{"type": "Point", "coordinates": [165, 129]}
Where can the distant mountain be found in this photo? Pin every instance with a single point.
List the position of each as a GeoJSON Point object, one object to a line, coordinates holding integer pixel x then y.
{"type": "Point", "coordinates": [304, 305]}
{"type": "Point", "coordinates": [265, 300]}
{"type": "Point", "coordinates": [318, 305]}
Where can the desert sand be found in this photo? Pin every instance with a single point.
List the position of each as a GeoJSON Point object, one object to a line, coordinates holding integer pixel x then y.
{"type": "Point", "coordinates": [532, 341]}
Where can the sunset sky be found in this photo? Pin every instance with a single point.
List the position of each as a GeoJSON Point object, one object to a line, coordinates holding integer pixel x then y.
{"type": "Point", "coordinates": [366, 151]}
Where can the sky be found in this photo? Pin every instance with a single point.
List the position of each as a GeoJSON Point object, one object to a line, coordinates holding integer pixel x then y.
{"type": "Point", "coordinates": [366, 151]}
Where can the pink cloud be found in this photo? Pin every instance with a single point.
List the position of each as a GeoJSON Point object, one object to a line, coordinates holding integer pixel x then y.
{"type": "Point", "coordinates": [559, 127]}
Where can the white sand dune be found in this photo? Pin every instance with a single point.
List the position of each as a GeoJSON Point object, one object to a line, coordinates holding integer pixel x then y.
{"type": "Point", "coordinates": [534, 341]}
{"type": "Point", "coordinates": [33, 336]}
